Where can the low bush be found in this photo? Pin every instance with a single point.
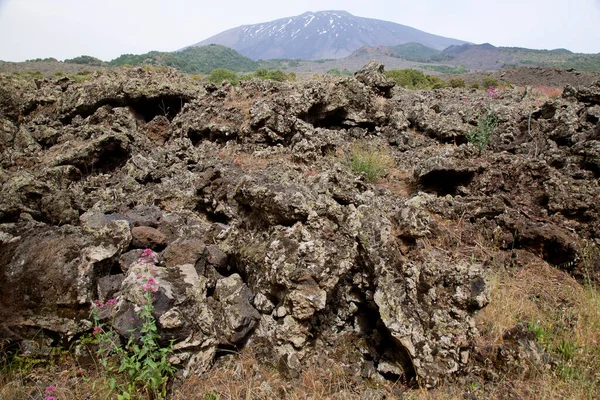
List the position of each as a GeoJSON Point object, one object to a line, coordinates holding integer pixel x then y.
{"type": "Point", "coordinates": [446, 69]}
{"type": "Point", "coordinates": [456, 83]}
{"type": "Point", "coordinates": [276, 75]}
{"type": "Point", "coordinates": [413, 79]}
{"type": "Point", "coordinates": [335, 71]}
{"type": "Point", "coordinates": [219, 75]}
{"type": "Point", "coordinates": [489, 81]}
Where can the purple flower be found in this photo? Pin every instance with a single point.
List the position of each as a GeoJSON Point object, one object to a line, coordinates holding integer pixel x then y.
{"type": "Point", "coordinates": [99, 303]}
{"type": "Point", "coordinates": [50, 389]}
{"type": "Point", "coordinates": [49, 398]}
{"type": "Point", "coordinates": [97, 330]}
{"type": "Point", "coordinates": [110, 302]}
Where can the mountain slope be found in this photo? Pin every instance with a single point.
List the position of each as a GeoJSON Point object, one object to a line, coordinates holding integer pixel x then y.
{"type": "Point", "coordinates": [193, 60]}
{"type": "Point", "coordinates": [475, 57]}
{"type": "Point", "coordinates": [321, 35]}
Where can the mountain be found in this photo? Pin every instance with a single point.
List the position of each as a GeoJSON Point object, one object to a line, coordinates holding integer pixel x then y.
{"type": "Point", "coordinates": [321, 35]}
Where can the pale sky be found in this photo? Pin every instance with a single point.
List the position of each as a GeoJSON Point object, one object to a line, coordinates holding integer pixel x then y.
{"type": "Point", "coordinates": [108, 28]}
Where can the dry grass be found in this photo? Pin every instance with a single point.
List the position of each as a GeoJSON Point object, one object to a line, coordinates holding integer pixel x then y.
{"type": "Point", "coordinates": [242, 377]}
{"type": "Point", "coordinates": [398, 182]}
{"type": "Point", "coordinates": [26, 379]}
{"type": "Point", "coordinates": [566, 319]}
{"type": "Point", "coordinates": [546, 91]}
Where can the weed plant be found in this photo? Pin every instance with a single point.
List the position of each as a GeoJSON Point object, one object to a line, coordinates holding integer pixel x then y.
{"type": "Point", "coordinates": [482, 134]}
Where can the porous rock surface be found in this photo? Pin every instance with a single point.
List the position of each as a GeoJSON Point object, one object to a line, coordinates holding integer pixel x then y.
{"type": "Point", "coordinates": [261, 232]}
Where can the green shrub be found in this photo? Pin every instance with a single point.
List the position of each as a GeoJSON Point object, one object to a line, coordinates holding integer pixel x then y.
{"type": "Point", "coordinates": [446, 69]}
{"type": "Point", "coordinates": [219, 75]}
{"type": "Point", "coordinates": [86, 60]}
{"type": "Point", "coordinates": [335, 71]}
{"type": "Point", "coordinates": [482, 134]}
{"type": "Point", "coordinates": [277, 75]}
{"type": "Point", "coordinates": [489, 81]}
{"type": "Point", "coordinates": [82, 76]}
{"type": "Point", "coordinates": [27, 75]}
{"type": "Point", "coordinates": [413, 79]}
{"type": "Point", "coordinates": [475, 85]}
{"type": "Point", "coordinates": [456, 83]}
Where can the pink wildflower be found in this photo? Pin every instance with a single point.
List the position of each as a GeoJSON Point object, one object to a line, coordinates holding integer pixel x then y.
{"type": "Point", "coordinates": [97, 330]}
{"type": "Point", "coordinates": [492, 92]}
{"type": "Point", "coordinates": [110, 302]}
{"type": "Point", "coordinates": [150, 285]}
{"type": "Point", "coordinates": [147, 255]}
{"type": "Point", "coordinates": [138, 276]}
{"type": "Point", "coordinates": [50, 389]}
{"type": "Point", "coordinates": [147, 252]}
{"type": "Point", "coordinates": [153, 272]}
{"type": "Point", "coordinates": [131, 319]}
{"type": "Point", "coordinates": [99, 303]}
{"type": "Point", "coordinates": [49, 398]}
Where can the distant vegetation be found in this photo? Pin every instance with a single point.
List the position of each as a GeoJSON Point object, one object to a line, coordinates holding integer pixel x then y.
{"type": "Point", "coordinates": [419, 53]}
{"type": "Point", "coordinates": [456, 83]}
{"type": "Point", "coordinates": [560, 58]}
{"type": "Point", "coordinates": [413, 79]}
{"type": "Point", "coordinates": [414, 51]}
{"type": "Point", "coordinates": [86, 60]}
{"type": "Point", "coordinates": [279, 63]}
{"type": "Point", "coordinates": [277, 75]}
{"type": "Point", "coordinates": [49, 59]}
{"type": "Point", "coordinates": [193, 60]}
{"type": "Point", "coordinates": [446, 69]}
{"type": "Point", "coordinates": [335, 71]}
{"type": "Point", "coordinates": [219, 75]}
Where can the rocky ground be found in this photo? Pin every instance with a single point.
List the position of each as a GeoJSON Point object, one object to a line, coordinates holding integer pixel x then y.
{"type": "Point", "coordinates": [266, 238]}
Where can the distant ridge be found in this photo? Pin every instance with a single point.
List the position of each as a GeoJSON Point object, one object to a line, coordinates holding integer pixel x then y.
{"type": "Point", "coordinates": [321, 35]}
